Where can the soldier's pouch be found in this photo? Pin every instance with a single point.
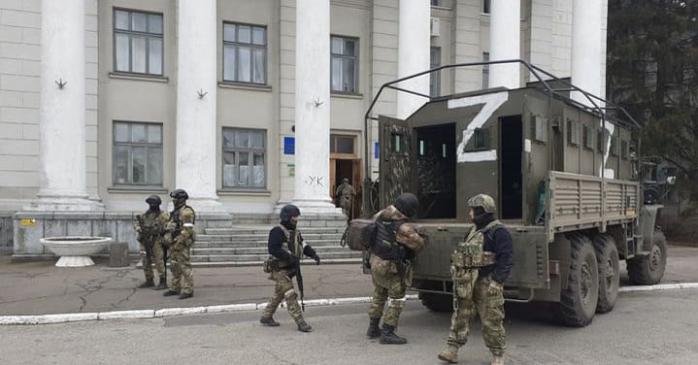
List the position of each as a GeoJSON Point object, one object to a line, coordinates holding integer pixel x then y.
{"type": "Point", "coordinates": [495, 296]}
{"type": "Point", "coordinates": [269, 265]}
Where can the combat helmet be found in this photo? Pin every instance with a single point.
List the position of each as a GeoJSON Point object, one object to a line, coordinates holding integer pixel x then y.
{"type": "Point", "coordinates": [153, 200]}
{"type": "Point", "coordinates": [484, 201]}
{"type": "Point", "coordinates": [179, 194]}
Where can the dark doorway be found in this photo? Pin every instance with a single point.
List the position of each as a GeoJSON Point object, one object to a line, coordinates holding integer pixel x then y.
{"type": "Point", "coordinates": [511, 148]}
{"type": "Point", "coordinates": [436, 171]}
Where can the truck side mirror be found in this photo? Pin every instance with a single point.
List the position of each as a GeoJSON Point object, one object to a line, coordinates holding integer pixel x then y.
{"type": "Point", "coordinates": [671, 180]}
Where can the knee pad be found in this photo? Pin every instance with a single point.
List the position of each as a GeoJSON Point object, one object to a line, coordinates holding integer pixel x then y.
{"type": "Point", "coordinates": [290, 294]}
{"type": "Point", "coordinates": [397, 302]}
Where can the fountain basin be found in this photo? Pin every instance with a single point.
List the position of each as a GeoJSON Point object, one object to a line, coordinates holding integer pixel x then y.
{"type": "Point", "coordinates": [75, 251]}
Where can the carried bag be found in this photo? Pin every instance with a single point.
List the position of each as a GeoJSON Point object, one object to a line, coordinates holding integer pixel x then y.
{"type": "Point", "coordinates": [358, 234]}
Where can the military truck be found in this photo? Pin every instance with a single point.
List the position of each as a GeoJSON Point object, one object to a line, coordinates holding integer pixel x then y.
{"type": "Point", "coordinates": [563, 174]}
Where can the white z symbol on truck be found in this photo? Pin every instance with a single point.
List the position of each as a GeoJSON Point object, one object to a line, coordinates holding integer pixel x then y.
{"type": "Point", "coordinates": [492, 103]}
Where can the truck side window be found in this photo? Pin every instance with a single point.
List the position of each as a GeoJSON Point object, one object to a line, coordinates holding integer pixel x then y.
{"type": "Point", "coordinates": [572, 132]}
{"type": "Point", "coordinates": [588, 138]}
{"type": "Point", "coordinates": [479, 141]}
{"type": "Point", "coordinates": [539, 129]}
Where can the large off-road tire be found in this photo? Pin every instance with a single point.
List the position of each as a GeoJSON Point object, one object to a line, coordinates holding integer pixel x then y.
{"type": "Point", "coordinates": [578, 301]}
{"type": "Point", "coordinates": [649, 270]}
{"type": "Point", "coordinates": [609, 272]}
{"type": "Point", "coordinates": [437, 302]}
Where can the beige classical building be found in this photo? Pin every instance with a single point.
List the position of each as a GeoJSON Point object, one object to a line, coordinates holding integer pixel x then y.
{"type": "Point", "coordinates": [246, 104]}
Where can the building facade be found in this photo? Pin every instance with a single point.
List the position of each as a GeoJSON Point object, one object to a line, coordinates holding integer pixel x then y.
{"type": "Point", "coordinates": [226, 98]}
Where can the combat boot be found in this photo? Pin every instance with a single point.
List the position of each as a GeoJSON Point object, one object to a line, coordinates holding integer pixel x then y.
{"type": "Point", "coordinates": [162, 284]}
{"type": "Point", "coordinates": [374, 330]}
{"type": "Point", "coordinates": [303, 326]}
{"type": "Point", "coordinates": [148, 284]}
{"type": "Point", "coordinates": [186, 295]}
{"type": "Point", "coordinates": [170, 293]}
{"type": "Point", "coordinates": [498, 360]}
{"type": "Point", "coordinates": [268, 321]}
{"type": "Point", "coordinates": [388, 336]}
{"type": "Point", "coordinates": [449, 354]}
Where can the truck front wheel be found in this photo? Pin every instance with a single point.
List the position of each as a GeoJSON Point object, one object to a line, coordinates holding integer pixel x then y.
{"type": "Point", "coordinates": [649, 269]}
{"type": "Point", "coordinates": [578, 301]}
{"type": "Point", "coordinates": [437, 302]}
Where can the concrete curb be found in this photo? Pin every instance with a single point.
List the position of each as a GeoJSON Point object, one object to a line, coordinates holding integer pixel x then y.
{"type": "Point", "coordinates": [232, 308]}
{"type": "Point", "coordinates": [167, 312]}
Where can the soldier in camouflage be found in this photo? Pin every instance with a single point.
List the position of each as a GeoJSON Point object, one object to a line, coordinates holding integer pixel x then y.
{"type": "Point", "coordinates": [180, 235]}
{"type": "Point", "coordinates": [286, 248]}
{"type": "Point", "coordinates": [150, 228]}
{"type": "Point", "coordinates": [391, 270]}
{"type": "Point", "coordinates": [479, 267]}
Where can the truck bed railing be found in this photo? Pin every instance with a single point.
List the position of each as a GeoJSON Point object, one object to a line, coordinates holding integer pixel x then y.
{"type": "Point", "coordinates": [582, 201]}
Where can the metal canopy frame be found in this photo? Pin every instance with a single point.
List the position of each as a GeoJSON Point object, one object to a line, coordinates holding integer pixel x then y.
{"type": "Point", "coordinates": [600, 106]}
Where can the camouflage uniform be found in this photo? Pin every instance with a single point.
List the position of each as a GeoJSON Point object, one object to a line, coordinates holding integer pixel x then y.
{"type": "Point", "coordinates": [388, 286]}
{"type": "Point", "coordinates": [474, 294]}
{"type": "Point", "coordinates": [181, 225]}
{"type": "Point", "coordinates": [281, 275]}
{"type": "Point", "coordinates": [150, 228]}
{"type": "Point", "coordinates": [475, 290]}
{"type": "Point", "coordinates": [391, 270]}
{"type": "Point", "coordinates": [345, 197]}
{"type": "Point", "coordinates": [286, 249]}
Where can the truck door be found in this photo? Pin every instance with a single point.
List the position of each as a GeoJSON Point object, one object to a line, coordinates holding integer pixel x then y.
{"type": "Point", "coordinates": [396, 139]}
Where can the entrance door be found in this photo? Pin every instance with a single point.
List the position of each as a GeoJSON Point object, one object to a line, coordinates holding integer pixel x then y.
{"type": "Point", "coordinates": [396, 147]}
{"type": "Point", "coordinates": [511, 152]}
{"type": "Point", "coordinates": [345, 164]}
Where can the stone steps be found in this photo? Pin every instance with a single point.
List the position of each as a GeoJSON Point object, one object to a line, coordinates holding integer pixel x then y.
{"type": "Point", "coordinates": [208, 264]}
{"type": "Point", "coordinates": [263, 237]}
{"type": "Point", "coordinates": [340, 254]}
{"type": "Point", "coordinates": [199, 251]}
{"type": "Point", "coordinates": [246, 245]}
{"type": "Point", "coordinates": [208, 244]}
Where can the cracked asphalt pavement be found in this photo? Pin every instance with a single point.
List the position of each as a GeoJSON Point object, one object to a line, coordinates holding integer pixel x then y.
{"type": "Point", "coordinates": [41, 288]}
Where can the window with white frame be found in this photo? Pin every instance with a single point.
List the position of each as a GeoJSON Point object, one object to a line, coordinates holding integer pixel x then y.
{"type": "Point", "coordinates": [244, 158]}
{"type": "Point", "coordinates": [486, 6]}
{"type": "Point", "coordinates": [137, 154]}
{"type": "Point", "coordinates": [244, 53]}
{"type": "Point", "coordinates": [345, 65]}
{"type": "Point", "coordinates": [435, 77]}
{"type": "Point", "coordinates": [138, 42]}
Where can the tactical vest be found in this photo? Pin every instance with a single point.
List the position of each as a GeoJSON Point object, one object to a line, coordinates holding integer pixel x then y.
{"type": "Point", "coordinates": [151, 225]}
{"type": "Point", "coordinates": [384, 243]}
{"type": "Point", "coordinates": [292, 244]}
{"type": "Point", "coordinates": [470, 254]}
{"type": "Point", "coordinates": [178, 221]}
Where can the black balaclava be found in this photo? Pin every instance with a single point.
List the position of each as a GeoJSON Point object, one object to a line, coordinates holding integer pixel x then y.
{"type": "Point", "coordinates": [154, 202]}
{"type": "Point", "coordinates": [287, 212]}
{"type": "Point", "coordinates": [407, 204]}
{"type": "Point", "coordinates": [481, 218]}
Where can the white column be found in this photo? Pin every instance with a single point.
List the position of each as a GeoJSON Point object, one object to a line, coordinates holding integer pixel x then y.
{"type": "Point", "coordinates": [197, 62]}
{"type": "Point", "coordinates": [62, 128]}
{"type": "Point", "coordinates": [586, 48]}
{"type": "Point", "coordinates": [413, 54]}
{"type": "Point", "coordinates": [312, 107]}
{"type": "Point", "coordinates": [505, 43]}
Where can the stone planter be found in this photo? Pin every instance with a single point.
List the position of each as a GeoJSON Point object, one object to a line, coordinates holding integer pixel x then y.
{"type": "Point", "coordinates": [75, 251]}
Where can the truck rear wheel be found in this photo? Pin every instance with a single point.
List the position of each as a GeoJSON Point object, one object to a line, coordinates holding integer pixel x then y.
{"type": "Point", "coordinates": [609, 272]}
{"type": "Point", "coordinates": [437, 302]}
{"type": "Point", "coordinates": [649, 269]}
{"type": "Point", "coordinates": [578, 301]}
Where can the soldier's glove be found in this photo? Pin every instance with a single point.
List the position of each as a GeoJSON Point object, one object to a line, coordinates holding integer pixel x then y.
{"type": "Point", "coordinates": [317, 259]}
